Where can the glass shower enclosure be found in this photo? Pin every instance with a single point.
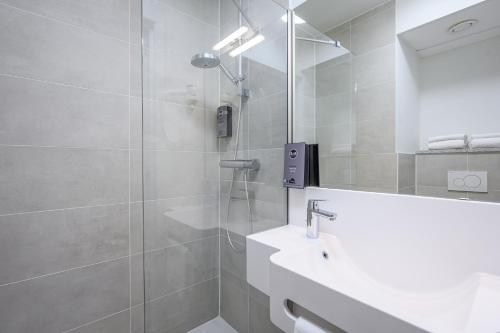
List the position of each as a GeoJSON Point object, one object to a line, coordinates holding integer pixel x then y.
{"type": "Point", "coordinates": [114, 213]}
{"type": "Point", "coordinates": [191, 268]}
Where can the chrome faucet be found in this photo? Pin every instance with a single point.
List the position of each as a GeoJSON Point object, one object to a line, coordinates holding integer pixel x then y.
{"type": "Point", "coordinates": [314, 211]}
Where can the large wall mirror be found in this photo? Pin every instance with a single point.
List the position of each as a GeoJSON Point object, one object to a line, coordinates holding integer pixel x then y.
{"type": "Point", "coordinates": [401, 97]}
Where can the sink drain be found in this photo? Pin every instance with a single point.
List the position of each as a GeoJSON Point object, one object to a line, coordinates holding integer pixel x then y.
{"type": "Point", "coordinates": [325, 255]}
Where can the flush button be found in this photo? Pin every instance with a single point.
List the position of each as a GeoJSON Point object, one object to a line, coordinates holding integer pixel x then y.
{"type": "Point", "coordinates": [472, 181]}
{"type": "Point", "coordinates": [468, 181]}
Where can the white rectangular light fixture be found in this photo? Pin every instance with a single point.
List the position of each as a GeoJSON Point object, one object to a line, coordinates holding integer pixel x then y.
{"type": "Point", "coordinates": [251, 43]}
{"type": "Point", "coordinates": [241, 30]}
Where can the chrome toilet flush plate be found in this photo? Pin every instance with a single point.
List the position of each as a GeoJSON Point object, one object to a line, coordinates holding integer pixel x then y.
{"type": "Point", "coordinates": [469, 181]}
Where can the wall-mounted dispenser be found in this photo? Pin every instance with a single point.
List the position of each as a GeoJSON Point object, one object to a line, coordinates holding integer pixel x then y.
{"type": "Point", "coordinates": [301, 165]}
{"type": "Point", "coordinates": [224, 121]}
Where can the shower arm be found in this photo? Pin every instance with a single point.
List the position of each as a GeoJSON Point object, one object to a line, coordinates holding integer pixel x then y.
{"type": "Point", "coordinates": [335, 43]}
{"type": "Point", "coordinates": [231, 77]}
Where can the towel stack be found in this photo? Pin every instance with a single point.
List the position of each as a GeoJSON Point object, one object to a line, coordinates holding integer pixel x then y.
{"type": "Point", "coordinates": [462, 141]}
{"type": "Point", "coordinates": [491, 140]}
{"type": "Point", "coordinates": [454, 141]}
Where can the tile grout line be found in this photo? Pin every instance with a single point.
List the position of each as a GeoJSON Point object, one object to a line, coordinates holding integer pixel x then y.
{"type": "Point", "coordinates": [95, 148]}
{"type": "Point", "coordinates": [177, 291]}
{"type": "Point", "coordinates": [379, 12]}
{"type": "Point", "coordinates": [263, 97]}
{"type": "Point", "coordinates": [349, 21]}
{"type": "Point", "coordinates": [177, 151]}
{"type": "Point", "coordinates": [353, 57]}
{"type": "Point", "coordinates": [108, 261]}
{"type": "Point", "coordinates": [61, 84]}
{"type": "Point", "coordinates": [378, 48]}
{"type": "Point", "coordinates": [188, 14]}
{"type": "Point", "coordinates": [165, 101]}
{"type": "Point", "coordinates": [358, 88]}
{"type": "Point", "coordinates": [63, 209]}
{"type": "Point", "coordinates": [3, 145]}
{"type": "Point", "coordinates": [97, 320]}
{"type": "Point", "coordinates": [174, 245]}
{"type": "Point", "coordinates": [107, 92]}
{"type": "Point", "coordinates": [53, 19]}
{"type": "Point", "coordinates": [174, 198]}
{"type": "Point", "coordinates": [64, 271]}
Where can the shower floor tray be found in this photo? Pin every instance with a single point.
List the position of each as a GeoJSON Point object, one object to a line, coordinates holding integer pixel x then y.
{"type": "Point", "coordinates": [216, 325]}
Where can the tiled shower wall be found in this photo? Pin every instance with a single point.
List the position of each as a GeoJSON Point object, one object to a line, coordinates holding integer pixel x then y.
{"type": "Point", "coordinates": [355, 106]}
{"type": "Point", "coordinates": [71, 220]}
{"type": "Point", "coordinates": [69, 147]}
{"type": "Point", "coordinates": [181, 226]}
{"type": "Point", "coordinates": [263, 133]}
{"type": "Point", "coordinates": [406, 173]}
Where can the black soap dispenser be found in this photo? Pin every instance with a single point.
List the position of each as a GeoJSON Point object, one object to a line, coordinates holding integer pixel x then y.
{"type": "Point", "coordinates": [301, 168]}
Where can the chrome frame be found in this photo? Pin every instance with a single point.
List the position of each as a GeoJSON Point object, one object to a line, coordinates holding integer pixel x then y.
{"type": "Point", "coordinates": [291, 73]}
{"type": "Point", "coordinates": [335, 43]}
{"type": "Point", "coordinates": [290, 90]}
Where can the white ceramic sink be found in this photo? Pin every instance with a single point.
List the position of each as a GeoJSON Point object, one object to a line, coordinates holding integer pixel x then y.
{"type": "Point", "coordinates": [320, 276]}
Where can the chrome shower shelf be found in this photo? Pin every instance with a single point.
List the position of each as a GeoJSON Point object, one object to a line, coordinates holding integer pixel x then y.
{"type": "Point", "coordinates": [240, 164]}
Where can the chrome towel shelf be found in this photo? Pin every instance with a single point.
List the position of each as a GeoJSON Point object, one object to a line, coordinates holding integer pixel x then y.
{"type": "Point", "coordinates": [240, 164]}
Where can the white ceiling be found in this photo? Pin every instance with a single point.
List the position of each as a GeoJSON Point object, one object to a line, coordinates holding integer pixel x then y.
{"type": "Point", "coordinates": [326, 14]}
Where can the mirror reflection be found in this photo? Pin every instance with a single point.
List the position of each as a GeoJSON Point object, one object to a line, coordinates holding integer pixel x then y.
{"type": "Point", "coordinates": [399, 102]}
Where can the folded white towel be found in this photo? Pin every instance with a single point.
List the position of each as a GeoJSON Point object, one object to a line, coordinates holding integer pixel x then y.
{"type": "Point", "coordinates": [450, 144]}
{"type": "Point", "coordinates": [484, 136]}
{"type": "Point", "coordinates": [448, 137]}
{"type": "Point", "coordinates": [305, 326]}
{"type": "Point", "coordinates": [485, 143]}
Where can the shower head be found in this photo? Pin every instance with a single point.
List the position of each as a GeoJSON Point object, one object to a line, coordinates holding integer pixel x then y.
{"type": "Point", "coordinates": [210, 60]}
{"type": "Point", "coordinates": [205, 60]}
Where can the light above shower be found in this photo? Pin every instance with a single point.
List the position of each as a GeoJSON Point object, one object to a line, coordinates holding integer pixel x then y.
{"type": "Point", "coordinates": [297, 19]}
{"type": "Point", "coordinates": [247, 45]}
{"type": "Point", "coordinates": [226, 41]}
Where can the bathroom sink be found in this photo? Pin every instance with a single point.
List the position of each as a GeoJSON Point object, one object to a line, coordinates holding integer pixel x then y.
{"type": "Point", "coordinates": [321, 277]}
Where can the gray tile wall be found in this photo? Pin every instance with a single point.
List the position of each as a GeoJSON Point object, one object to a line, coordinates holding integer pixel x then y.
{"type": "Point", "coordinates": [355, 120]}
{"type": "Point", "coordinates": [305, 101]}
{"type": "Point", "coordinates": [263, 134]}
{"type": "Point", "coordinates": [71, 169]}
{"type": "Point", "coordinates": [406, 173]}
{"type": "Point", "coordinates": [432, 174]}
{"type": "Point", "coordinates": [355, 106]}
{"type": "Point", "coordinates": [181, 238]}
{"type": "Point", "coordinates": [69, 129]}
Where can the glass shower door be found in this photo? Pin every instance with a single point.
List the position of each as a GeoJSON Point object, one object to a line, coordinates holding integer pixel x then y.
{"type": "Point", "coordinates": [180, 171]}
{"type": "Point", "coordinates": [190, 273]}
